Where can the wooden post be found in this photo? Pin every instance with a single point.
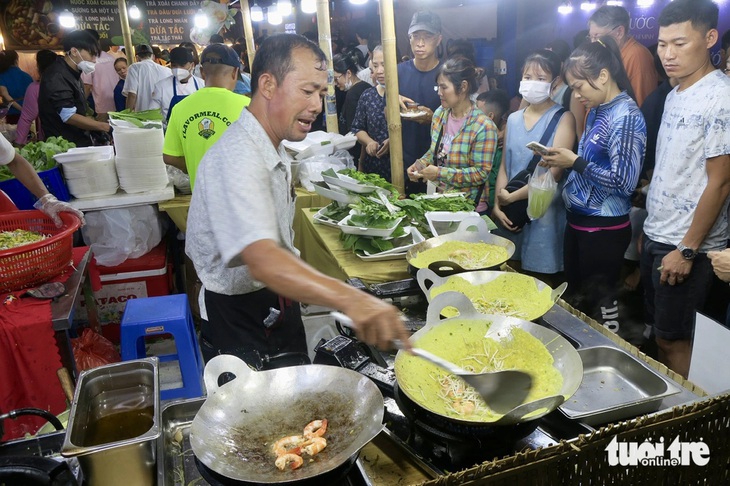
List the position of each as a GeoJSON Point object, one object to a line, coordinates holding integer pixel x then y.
{"type": "Point", "coordinates": [126, 31]}
{"type": "Point", "coordinates": [325, 43]}
{"type": "Point", "coordinates": [392, 105]}
{"type": "Point", "coordinates": [248, 33]}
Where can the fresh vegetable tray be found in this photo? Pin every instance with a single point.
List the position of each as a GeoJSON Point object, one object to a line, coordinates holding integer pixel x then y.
{"type": "Point", "coordinates": [412, 238]}
{"type": "Point", "coordinates": [346, 228]}
{"type": "Point", "coordinates": [320, 218]}
{"type": "Point", "coordinates": [348, 183]}
{"type": "Point", "coordinates": [337, 194]}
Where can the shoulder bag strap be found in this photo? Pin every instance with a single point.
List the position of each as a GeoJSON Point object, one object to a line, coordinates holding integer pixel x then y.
{"type": "Point", "coordinates": [545, 137]}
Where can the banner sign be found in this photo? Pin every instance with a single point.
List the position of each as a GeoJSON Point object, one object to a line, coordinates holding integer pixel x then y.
{"type": "Point", "coordinates": [34, 24]}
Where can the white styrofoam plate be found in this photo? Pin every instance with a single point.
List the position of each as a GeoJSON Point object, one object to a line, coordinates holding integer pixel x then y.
{"type": "Point", "coordinates": [347, 182]}
{"type": "Point", "coordinates": [320, 218]}
{"type": "Point", "coordinates": [396, 253]}
{"type": "Point", "coordinates": [445, 222]}
{"type": "Point", "coordinates": [337, 194]}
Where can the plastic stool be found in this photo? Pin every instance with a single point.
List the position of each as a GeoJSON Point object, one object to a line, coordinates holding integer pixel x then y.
{"type": "Point", "coordinates": [169, 314]}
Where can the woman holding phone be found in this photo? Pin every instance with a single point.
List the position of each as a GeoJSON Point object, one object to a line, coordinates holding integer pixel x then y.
{"type": "Point", "coordinates": [539, 244]}
{"type": "Point", "coordinates": [602, 179]}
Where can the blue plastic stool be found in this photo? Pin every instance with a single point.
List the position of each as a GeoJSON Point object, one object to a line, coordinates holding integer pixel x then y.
{"type": "Point", "coordinates": [169, 314]}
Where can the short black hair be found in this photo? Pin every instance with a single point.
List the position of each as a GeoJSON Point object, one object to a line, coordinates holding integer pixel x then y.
{"type": "Point", "coordinates": [498, 98]}
{"type": "Point", "coordinates": [8, 59]}
{"type": "Point", "coordinates": [43, 59]}
{"type": "Point", "coordinates": [274, 57]}
{"type": "Point", "coordinates": [725, 40]}
{"type": "Point", "coordinates": [81, 39]}
{"type": "Point", "coordinates": [216, 39]}
{"type": "Point", "coordinates": [559, 47]}
{"type": "Point", "coordinates": [702, 14]}
{"type": "Point", "coordinates": [94, 33]}
{"type": "Point", "coordinates": [120, 59]}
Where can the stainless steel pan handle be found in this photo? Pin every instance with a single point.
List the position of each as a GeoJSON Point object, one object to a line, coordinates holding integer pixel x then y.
{"type": "Point", "coordinates": [224, 363]}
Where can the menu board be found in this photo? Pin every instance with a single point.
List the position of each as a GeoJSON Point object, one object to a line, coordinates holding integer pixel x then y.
{"type": "Point", "coordinates": [34, 24]}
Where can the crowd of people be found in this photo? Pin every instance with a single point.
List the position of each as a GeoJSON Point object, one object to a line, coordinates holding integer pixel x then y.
{"type": "Point", "coordinates": [635, 142]}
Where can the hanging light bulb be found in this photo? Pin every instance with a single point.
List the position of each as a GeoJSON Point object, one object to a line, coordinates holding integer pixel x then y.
{"type": "Point", "coordinates": [257, 13]}
{"type": "Point", "coordinates": [67, 19]}
{"type": "Point", "coordinates": [358, 2]}
{"type": "Point", "coordinates": [134, 12]}
{"type": "Point", "coordinates": [274, 17]}
{"type": "Point", "coordinates": [201, 20]}
{"type": "Point", "coordinates": [565, 9]}
{"type": "Point", "coordinates": [309, 6]}
{"type": "Point", "coordinates": [284, 7]}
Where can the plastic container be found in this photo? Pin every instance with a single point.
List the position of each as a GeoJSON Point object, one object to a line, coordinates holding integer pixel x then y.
{"type": "Point", "coordinates": [89, 171]}
{"type": "Point", "coordinates": [22, 197]}
{"type": "Point", "coordinates": [136, 278]}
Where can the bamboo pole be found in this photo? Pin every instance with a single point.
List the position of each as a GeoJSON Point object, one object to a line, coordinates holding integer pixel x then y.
{"type": "Point", "coordinates": [126, 31]}
{"type": "Point", "coordinates": [248, 32]}
{"type": "Point", "coordinates": [392, 105]}
{"type": "Point", "coordinates": [325, 43]}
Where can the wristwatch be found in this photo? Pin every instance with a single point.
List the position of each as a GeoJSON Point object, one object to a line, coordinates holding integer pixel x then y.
{"type": "Point", "coordinates": [687, 253]}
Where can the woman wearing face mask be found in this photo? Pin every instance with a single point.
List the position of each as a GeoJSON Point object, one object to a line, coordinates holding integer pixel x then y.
{"type": "Point", "coordinates": [346, 68]}
{"type": "Point", "coordinates": [61, 98]}
{"type": "Point", "coordinates": [369, 124]}
{"type": "Point", "coordinates": [539, 243]}
{"type": "Point", "coordinates": [170, 91]}
{"type": "Point", "coordinates": [604, 174]}
{"type": "Point", "coordinates": [463, 139]}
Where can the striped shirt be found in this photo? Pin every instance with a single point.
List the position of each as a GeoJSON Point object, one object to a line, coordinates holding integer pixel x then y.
{"type": "Point", "coordinates": [613, 144]}
{"type": "Point", "coordinates": [469, 159]}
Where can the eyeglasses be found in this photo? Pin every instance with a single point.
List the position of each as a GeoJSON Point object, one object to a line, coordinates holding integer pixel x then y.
{"type": "Point", "coordinates": [594, 37]}
{"type": "Point", "coordinates": [427, 37]}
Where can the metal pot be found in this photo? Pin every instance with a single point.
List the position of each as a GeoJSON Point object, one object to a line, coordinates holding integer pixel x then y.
{"type": "Point", "coordinates": [566, 360]}
{"type": "Point", "coordinates": [429, 280]}
{"type": "Point", "coordinates": [472, 229]}
{"type": "Point", "coordinates": [234, 430]}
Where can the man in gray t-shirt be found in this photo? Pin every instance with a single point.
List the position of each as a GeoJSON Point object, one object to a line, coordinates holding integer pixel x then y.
{"type": "Point", "coordinates": [239, 225]}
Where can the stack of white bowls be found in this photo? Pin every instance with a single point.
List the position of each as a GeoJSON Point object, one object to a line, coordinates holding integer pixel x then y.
{"type": "Point", "coordinates": [89, 171]}
{"type": "Point", "coordinates": [139, 159]}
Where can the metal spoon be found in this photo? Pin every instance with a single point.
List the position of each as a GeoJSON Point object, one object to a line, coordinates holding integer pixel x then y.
{"type": "Point", "coordinates": [501, 390]}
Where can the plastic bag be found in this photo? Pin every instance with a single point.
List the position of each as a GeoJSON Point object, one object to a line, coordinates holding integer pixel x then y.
{"type": "Point", "coordinates": [540, 192]}
{"type": "Point", "coordinates": [92, 350]}
{"type": "Point", "coordinates": [179, 179]}
{"type": "Point", "coordinates": [117, 234]}
{"type": "Point", "coordinates": [311, 168]}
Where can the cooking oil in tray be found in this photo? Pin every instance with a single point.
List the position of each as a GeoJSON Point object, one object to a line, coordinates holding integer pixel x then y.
{"type": "Point", "coordinates": [119, 426]}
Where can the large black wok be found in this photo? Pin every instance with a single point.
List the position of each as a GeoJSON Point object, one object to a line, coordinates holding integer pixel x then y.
{"type": "Point", "coordinates": [413, 374]}
{"type": "Point", "coordinates": [234, 430]}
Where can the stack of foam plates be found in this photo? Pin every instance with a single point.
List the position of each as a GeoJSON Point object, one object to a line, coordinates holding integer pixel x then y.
{"type": "Point", "coordinates": [138, 142]}
{"type": "Point", "coordinates": [89, 171]}
{"type": "Point", "coordinates": [141, 174]}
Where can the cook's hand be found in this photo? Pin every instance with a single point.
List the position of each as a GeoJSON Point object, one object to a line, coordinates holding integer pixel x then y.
{"type": "Point", "coordinates": [52, 206]}
{"type": "Point", "coordinates": [721, 263]}
{"type": "Point", "coordinates": [502, 218]}
{"type": "Point", "coordinates": [414, 171]}
{"type": "Point", "coordinates": [430, 173]}
{"type": "Point", "coordinates": [675, 268]}
{"type": "Point", "coordinates": [384, 148]}
{"type": "Point", "coordinates": [376, 322]}
{"type": "Point", "coordinates": [372, 148]}
{"type": "Point", "coordinates": [504, 197]}
{"type": "Point", "coordinates": [560, 157]}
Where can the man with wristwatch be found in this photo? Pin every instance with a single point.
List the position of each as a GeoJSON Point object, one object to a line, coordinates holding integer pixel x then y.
{"type": "Point", "coordinates": [688, 197]}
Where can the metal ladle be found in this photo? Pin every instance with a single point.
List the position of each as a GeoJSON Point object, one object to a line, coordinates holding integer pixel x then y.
{"type": "Point", "coordinates": [502, 390]}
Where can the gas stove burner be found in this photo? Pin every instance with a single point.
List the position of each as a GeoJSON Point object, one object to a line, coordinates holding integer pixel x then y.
{"type": "Point", "coordinates": [454, 444]}
{"type": "Point", "coordinates": [335, 477]}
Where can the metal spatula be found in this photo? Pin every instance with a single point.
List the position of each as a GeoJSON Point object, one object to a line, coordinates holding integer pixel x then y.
{"type": "Point", "coordinates": [501, 390]}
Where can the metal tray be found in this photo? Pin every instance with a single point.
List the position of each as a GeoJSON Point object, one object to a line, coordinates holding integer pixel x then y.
{"type": "Point", "coordinates": [615, 386]}
{"type": "Point", "coordinates": [175, 460]}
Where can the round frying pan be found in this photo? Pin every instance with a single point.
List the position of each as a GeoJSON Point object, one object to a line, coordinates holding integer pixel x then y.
{"type": "Point", "coordinates": [413, 374]}
{"type": "Point", "coordinates": [235, 428]}
{"type": "Point", "coordinates": [472, 229]}
{"type": "Point", "coordinates": [430, 281]}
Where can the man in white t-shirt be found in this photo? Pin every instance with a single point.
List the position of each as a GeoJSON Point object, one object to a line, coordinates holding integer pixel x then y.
{"type": "Point", "coordinates": [688, 197]}
{"type": "Point", "coordinates": [169, 91]}
{"type": "Point", "coordinates": [26, 175]}
{"type": "Point", "coordinates": [142, 76]}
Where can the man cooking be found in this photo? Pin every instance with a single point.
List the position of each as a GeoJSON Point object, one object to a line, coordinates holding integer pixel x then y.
{"type": "Point", "coordinates": [239, 225]}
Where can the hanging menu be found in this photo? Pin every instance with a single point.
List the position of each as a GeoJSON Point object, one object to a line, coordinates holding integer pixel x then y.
{"type": "Point", "coordinates": [33, 24]}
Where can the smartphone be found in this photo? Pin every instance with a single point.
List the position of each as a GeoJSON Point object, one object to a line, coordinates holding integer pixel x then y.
{"type": "Point", "coordinates": [538, 147]}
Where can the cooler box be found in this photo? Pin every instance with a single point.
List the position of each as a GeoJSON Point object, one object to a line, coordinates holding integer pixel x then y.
{"type": "Point", "coordinates": [147, 276]}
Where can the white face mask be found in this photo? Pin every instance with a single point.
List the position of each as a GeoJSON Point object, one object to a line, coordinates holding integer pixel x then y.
{"type": "Point", "coordinates": [348, 82]}
{"type": "Point", "coordinates": [535, 92]}
{"type": "Point", "coordinates": [86, 67]}
{"type": "Point", "coordinates": [181, 74]}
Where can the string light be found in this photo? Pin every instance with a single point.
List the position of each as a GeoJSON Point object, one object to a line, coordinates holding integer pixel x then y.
{"type": "Point", "coordinates": [257, 13]}
{"type": "Point", "coordinates": [67, 19]}
{"type": "Point", "coordinates": [134, 12]}
{"type": "Point", "coordinates": [309, 6]}
{"type": "Point", "coordinates": [201, 20]}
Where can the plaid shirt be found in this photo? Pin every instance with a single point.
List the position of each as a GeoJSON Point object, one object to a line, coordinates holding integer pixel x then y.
{"type": "Point", "coordinates": [469, 160]}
